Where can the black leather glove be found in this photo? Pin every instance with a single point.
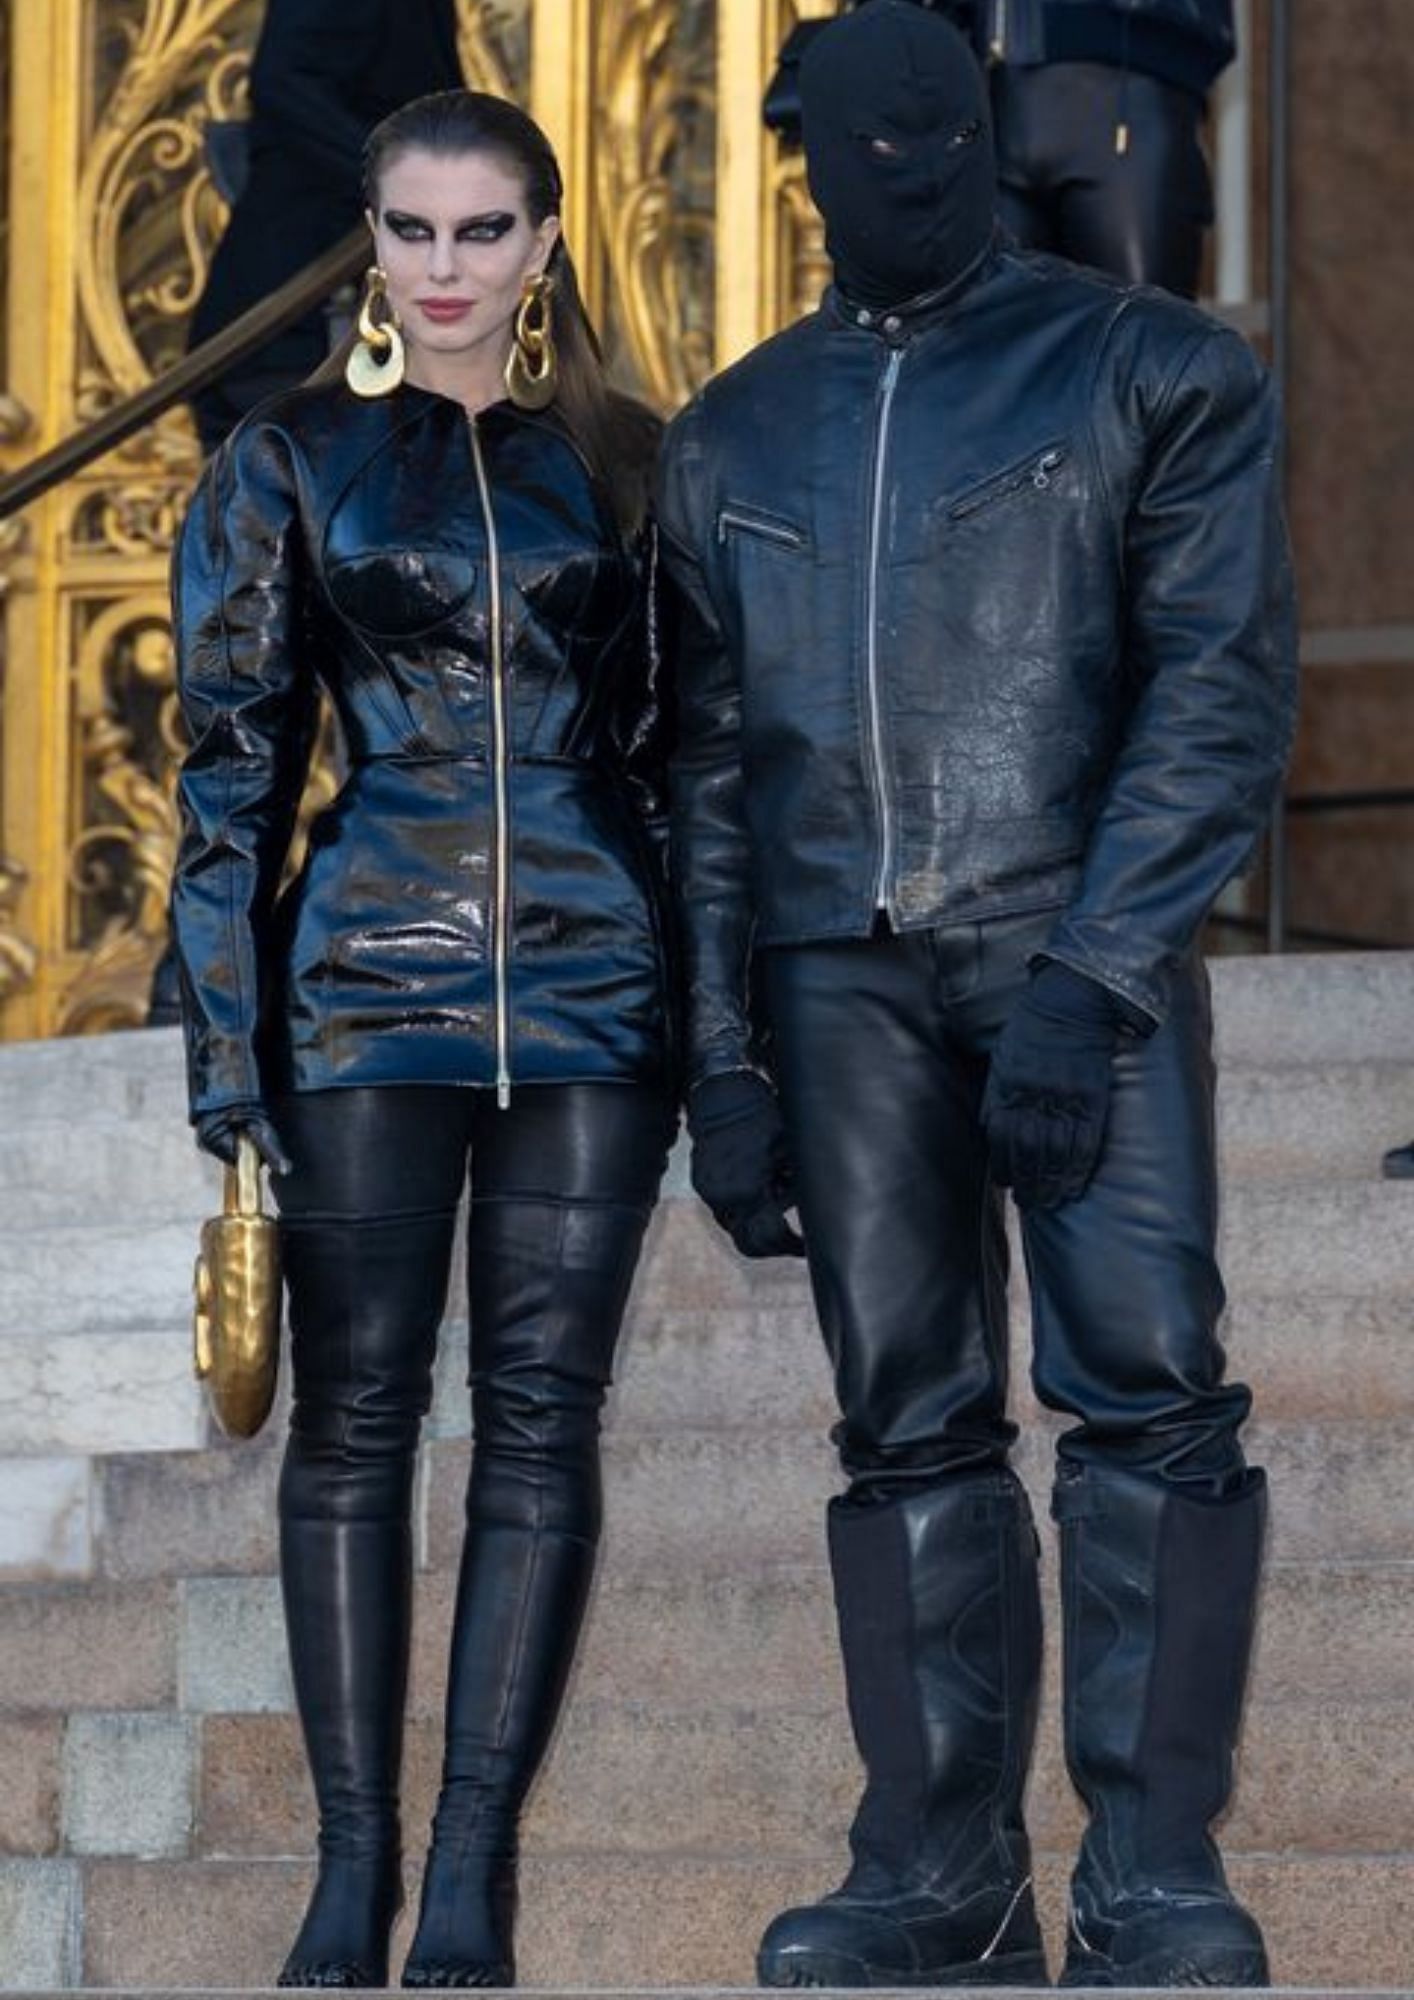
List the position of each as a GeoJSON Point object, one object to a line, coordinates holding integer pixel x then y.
{"type": "Point", "coordinates": [739, 1162]}
{"type": "Point", "coordinates": [218, 1131]}
{"type": "Point", "coordinates": [1048, 1092]}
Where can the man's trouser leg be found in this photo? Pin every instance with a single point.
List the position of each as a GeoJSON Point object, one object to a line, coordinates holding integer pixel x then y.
{"type": "Point", "coordinates": [932, 1548]}
{"type": "Point", "coordinates": [1161, 1523]}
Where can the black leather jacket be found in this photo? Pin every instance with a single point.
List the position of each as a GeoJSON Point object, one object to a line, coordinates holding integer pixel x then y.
{"type": "Point", "coordinates": [480, 903]}
{"type": "Point", "coordinates": [985, 607]}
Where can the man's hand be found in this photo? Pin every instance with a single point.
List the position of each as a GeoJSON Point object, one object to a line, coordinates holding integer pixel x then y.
{"type": "Point", "coordinates": [218, 1131]}
{"type": "Point", "coordinates": [1048, 1093]}
{"type": "Point", "coordinates": [739, 1162]}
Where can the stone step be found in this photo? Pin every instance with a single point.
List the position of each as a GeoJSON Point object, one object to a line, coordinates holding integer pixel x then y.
{"type": "Point", "coordinates": [635, 1778]}
{"type": "Point", "coordinates": [1304, 1240]}
{"type": "Point", "coordinates": [1343, 1490]}
{"type": "Point", "coordinates": [1331, 1121]}
{"type": "Point", "coordinates": [1330, 1125]}
{"type": "Point", "coordinates": [86, 1077]}
{"type": "Point", "coordinates": [740, 1366]}
{"type": "Point", "coordinates": [1282, 1123]}
{"type": "Point", "coordinates": [1327, 1007]}
{"type": "Point", "coordinates": [625, 1923]}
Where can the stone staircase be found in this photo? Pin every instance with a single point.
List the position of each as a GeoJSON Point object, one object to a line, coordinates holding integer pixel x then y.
{"type": "Point", "coordinates": [155, 1821]}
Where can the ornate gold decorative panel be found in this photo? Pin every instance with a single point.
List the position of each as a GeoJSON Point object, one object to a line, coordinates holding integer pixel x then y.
{"type": "Point", "coordinates": [693, 236]}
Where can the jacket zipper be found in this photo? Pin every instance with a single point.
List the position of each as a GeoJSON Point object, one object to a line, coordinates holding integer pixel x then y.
{"type": "Point", "coordinates": [757, 524]}
{"type": "Point", "coordinates": [876, 521]}
{"type": "Point", "coordinates": [997, 48]}
{"type": "Point", "coordinates": [501, 865]}
{"type": "Point", "coordinates": [1036, 472]}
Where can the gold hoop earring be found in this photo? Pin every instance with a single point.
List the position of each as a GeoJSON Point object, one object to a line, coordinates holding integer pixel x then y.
{"type": "Point", "coordinates": [532, 366]}
{"type": "Point", "coordinates": [378, 360]}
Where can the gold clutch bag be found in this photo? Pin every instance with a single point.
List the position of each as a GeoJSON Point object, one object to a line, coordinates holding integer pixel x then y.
{"type": "Point", "coordinates": [237, 1320]}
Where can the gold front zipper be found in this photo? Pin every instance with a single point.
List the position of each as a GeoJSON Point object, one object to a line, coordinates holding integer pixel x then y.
{"type": "Point", "coordinates": [501, 839]}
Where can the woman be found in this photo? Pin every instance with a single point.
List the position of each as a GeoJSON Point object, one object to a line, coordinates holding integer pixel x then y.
{"type": "Point", "coordinates": [470, 966]}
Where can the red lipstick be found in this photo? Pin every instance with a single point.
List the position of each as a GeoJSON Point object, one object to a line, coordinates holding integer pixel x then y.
{"type": "Point", "coordinates": [444, 311]}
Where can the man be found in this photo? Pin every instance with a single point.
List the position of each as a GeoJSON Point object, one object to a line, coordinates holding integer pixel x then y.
{"type": "Point", "coordinates": [986, 646]}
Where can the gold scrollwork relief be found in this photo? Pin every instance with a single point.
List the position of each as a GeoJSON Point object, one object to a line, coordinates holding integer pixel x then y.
{"type": "Point", "coordinates": [18, 958]}
{"type": "Point", "coordinates": [154, 214]}
{"type": "Point", "coordinates": [493, 41]}
{"type": "Point", "coordinates": [125, 782]}
{"type": "Point", "coordinates": [801, 266]}
{"type": "Point", "coordinates": [653, 185]}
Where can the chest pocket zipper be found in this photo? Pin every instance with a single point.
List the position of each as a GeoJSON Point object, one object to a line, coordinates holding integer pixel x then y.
{"type": "Point", "coordinates": [767, 527]}
{"type": "Point", "coordinates": [1037, 472]}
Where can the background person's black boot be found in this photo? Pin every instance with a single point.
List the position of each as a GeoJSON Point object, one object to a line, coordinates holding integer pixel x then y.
{"type": "Point", "coordinates": [347, 1588]}
{"type": "Point", "coordinates": [1160, 1594]}
{"type": "Point", "coordinates": [940, 1628]}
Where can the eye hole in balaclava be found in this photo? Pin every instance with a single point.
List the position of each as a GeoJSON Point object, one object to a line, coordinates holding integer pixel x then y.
{"type": "Point", "coordinates": [898, 150]}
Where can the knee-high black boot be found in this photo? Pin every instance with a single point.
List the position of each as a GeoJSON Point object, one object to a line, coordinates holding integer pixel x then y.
{"type": "Point", "coordinates": [549, 1283]}
{"type": "Point", "coordinates": [940, 1626]}
{"type": "Point", "coordinates": [520, 1603]}
{"type": "Point", "coordinates": [1160, 1596]}
{"type": "Point", "coordinates": [365, 1301]}
{"type": "Point", "coordinates": [348, 1602]}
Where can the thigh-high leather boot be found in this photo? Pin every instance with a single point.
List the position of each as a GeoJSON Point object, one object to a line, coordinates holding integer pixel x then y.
{"type": "Point", "coordinates": [940, 1627]}
{"type": "Point", "coordinates": [549, 1281]}
{"type": "Point", "coordinates": [1159, 1588]}
{"type": "Point", "coordinates": [365, 1301]}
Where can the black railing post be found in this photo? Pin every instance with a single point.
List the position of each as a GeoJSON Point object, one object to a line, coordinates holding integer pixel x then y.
{"type": "Point", "coordinates": [1279, 308]}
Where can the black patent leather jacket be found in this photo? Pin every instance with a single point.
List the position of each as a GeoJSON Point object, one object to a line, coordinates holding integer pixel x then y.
{"type": "Point", "coordinates": [984, 607]}
{"type": "Point", "coordinates": [481, 902]}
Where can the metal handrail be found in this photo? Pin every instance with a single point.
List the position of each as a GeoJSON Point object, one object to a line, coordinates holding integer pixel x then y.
{"type": "Point", "coordinates": [193, 373]}
{"type": "Point", "coordinates": [1389, 797]}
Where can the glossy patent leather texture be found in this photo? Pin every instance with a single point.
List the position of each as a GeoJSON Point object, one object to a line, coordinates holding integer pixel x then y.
{"type": "Point", "coordinates": [983, 606]}
{"type": "Point", "coordinates": [480, 902]}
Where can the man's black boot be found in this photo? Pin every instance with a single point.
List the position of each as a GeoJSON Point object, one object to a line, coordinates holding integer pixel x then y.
{"type": "Point", "coordinates": [1160, 1591]}
{"type": "Point", "coordinates": [348, 1597]}
{"type": "Point", "coordinates": [941, 1632]}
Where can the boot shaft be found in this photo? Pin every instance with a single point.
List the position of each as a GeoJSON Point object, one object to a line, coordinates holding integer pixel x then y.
{"type": "Point", "coordinates": [940, 1630]}
{"type": "Point", "coordinates": [1159, 1591]}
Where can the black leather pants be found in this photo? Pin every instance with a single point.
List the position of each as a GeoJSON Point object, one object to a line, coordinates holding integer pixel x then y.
{"type": "Point", "coordinates": [1065, 186]}
{"type": "Point", "coordinates": [882, 1048]}
{"type": "Point", "coordinates": [562, 1183]}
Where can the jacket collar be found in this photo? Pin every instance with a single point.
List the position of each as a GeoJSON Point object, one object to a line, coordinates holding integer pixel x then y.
{"type": "Point", "coordinates": [900, 323]}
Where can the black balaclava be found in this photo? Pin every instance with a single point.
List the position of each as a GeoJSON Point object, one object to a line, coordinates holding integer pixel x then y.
{"type": "Point", "coordinates": [898, 148]}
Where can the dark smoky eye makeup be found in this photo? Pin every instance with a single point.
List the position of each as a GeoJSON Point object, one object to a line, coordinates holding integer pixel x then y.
{"type": "Point", "coordinates": [486, 228]}
{"type": "Point", "coordinates": [475, 229]}
{"type": "Point", "coordinates": [410, 228]}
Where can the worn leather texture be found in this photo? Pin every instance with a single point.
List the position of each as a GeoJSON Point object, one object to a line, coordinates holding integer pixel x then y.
{"type": "Point", "coordinates": [342, 545]}
{"type": "Point", "coordinates": [908, 1256]}
{"type": "Point", "coordinates": [982, 606]}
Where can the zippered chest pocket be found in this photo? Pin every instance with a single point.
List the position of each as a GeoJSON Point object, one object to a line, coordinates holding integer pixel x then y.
{"type": "Point", "coordinates": [738, 521]}
{"type": "Point", "coordinates": [1036, 474]}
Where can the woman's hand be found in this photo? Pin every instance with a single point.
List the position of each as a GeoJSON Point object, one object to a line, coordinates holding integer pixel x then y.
{"type": "Point", "coordinates": [217, 1132]}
